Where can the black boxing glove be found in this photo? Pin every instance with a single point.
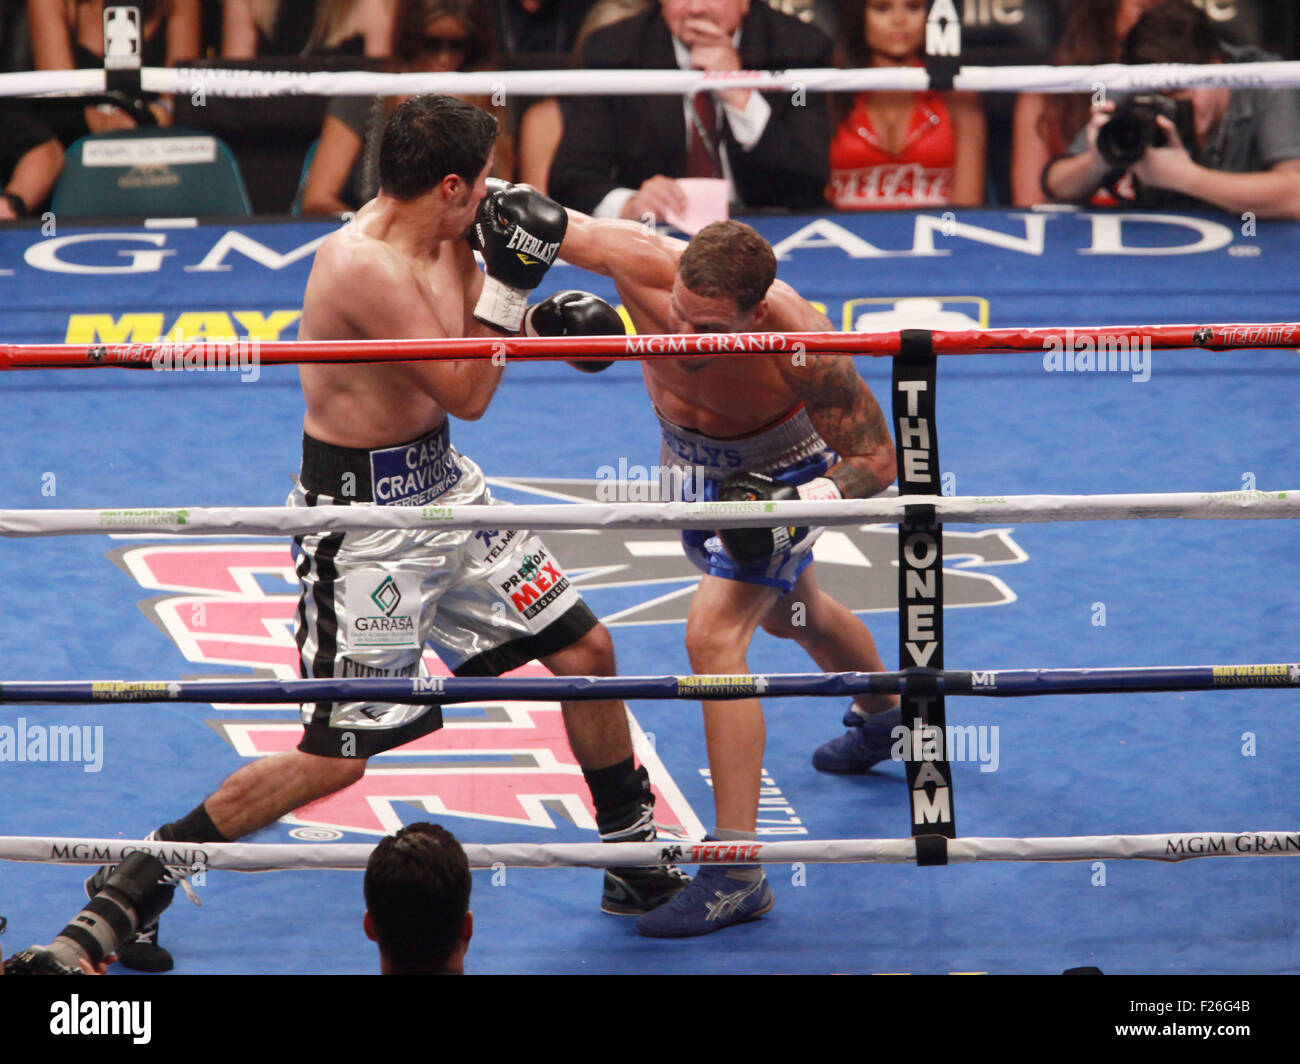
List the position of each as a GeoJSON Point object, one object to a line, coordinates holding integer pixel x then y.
{"type": "Point", "coordinates": [494, 185]}
{"type": "Point", "coordinates": [575, 314]}
{"type": "Point", "coordinates": [750, 545]}
{"type": "Point", "coordinates": [519, 232]}
{"type": "Point", "coordinates": [747, 545]}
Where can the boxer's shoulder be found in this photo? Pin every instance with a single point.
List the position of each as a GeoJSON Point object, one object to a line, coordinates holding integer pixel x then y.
{"type": "Point", "coordinates": [788, 311]}
{"type": "Point", "coordinates": [353, 265]}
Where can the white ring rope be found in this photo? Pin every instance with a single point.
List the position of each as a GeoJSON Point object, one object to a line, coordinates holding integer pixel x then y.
{"type": "Point", "coordinates": [980, 510]}
{"type": "Point", "coordinates": [1115, 77]}
{"type": "Point", "coordinates": [263, 857]}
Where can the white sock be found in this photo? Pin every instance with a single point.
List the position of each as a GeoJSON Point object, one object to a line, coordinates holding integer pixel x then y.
{"type": "Point", "coordinates": [744, 873]}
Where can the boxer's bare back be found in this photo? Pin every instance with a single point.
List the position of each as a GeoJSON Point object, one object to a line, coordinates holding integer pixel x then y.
{"type": "Point", "coordinates": [398, 270]}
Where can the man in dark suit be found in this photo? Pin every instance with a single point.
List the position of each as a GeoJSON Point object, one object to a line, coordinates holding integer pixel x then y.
{"type": "Point", "coordinates": [620, 154]}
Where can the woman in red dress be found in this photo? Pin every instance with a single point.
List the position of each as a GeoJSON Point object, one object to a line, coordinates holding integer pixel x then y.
{"type": "Point", "coordinates": [902, 149]}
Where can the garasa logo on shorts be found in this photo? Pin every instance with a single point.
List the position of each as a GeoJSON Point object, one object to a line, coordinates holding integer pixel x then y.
{"type": "Point", "coordinates": [389, 628]}
{"type": "Point", "coordinates": [387, 597]}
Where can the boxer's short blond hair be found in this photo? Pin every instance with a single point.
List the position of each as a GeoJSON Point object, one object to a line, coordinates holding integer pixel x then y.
{"type": "Point", "coordinates": [729, 259]}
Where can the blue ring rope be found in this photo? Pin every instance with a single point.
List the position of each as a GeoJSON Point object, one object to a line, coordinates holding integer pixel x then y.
{"type": "Point", "coordinates": [996, 683]}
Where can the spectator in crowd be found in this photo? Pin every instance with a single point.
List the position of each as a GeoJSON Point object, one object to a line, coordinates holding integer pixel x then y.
{"type": "Point", "coordinates": [1046, 123]}
{"type": "Point", "coordinates": [31, 159]}
{"type": "Point", "coordinates": [1243, 154]}
{"type": "Point", "coordinates": [820, 13]}
{"type": "Point", "coordinates": [542, 124]}
{"type": "Point", "coordinates": [528, 26]}
{"type": "Point", "coordinates": [429, 36]}
{"type": "Point", "coordinates": [252, 28]}
{"type": "Point", "coordinates": [14, 47]}
{"type": "Point", "coordinates": [902, 149]}
{"type": "Point", "coordinates": [417, 889]}
{"type": "Point", "coordinates": [620, 156]}
{"type": "Point", "coordinates": [69, 35]}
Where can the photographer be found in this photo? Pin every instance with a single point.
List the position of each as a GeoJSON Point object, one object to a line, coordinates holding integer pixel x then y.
{"type": "Point", "coordinates": [83, 964]}
{"type": "Point", "coordinates": [1239, 150]}
{"type": "Point", "coordinates": [132, 894]}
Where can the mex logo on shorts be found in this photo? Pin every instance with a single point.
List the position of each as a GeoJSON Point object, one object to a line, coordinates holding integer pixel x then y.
{"type": "Point", "coordinates": [535, 584]}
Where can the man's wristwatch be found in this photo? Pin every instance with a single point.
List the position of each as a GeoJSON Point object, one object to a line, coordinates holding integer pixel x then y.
{"type": "Point", "coordinates": [17, 203]}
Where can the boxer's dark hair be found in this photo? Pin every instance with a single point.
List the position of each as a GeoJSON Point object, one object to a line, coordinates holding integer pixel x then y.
{"type": "Point", "coordinates": [417, 893]}
{"type": "Point", "coordinates": [429, 137]}
{"type": "Point", "coordinates": [729, 259]}
{"type": "Point", "coordinates": [1175, 32]}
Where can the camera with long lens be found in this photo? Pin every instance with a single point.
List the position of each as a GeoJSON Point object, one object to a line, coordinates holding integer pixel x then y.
{"type": "Point", "coordinates": [1133, 128]}
{"type": "Point", "coordinates": [133, 896]}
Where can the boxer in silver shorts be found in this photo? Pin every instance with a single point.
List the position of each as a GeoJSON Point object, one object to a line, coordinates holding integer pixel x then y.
{"type": "Point", "coordinates": [376, 432]}
{"type": "Point", "coordinates": [486, 601]}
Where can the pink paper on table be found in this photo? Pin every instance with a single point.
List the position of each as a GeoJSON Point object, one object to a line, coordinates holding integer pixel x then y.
{"type": "Point", "coordinates": [707, 201]}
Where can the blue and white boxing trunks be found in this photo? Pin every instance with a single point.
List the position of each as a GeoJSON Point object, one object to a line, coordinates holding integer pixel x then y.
{"type": "Point", "coordinates": [790, 451]}
{"type": "Point", "coordinates": [486, 601]}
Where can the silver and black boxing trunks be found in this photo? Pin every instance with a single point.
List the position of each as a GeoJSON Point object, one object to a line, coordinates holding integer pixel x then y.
{"type": "Point", "coordinates": [370, 602]}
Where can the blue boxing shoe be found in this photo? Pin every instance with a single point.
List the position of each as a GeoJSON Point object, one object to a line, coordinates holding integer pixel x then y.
{"type": "Point", "coordinates": [714, 900]}
{"type": "Point", "coordinates": [868, 741]}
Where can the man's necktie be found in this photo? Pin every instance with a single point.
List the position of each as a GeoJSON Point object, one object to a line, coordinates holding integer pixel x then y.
{"type": "Point", "coordinates": [702, 158]}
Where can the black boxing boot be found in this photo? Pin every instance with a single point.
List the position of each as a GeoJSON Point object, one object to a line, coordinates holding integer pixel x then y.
{"type": "Point", "coordinates": [631, 891]}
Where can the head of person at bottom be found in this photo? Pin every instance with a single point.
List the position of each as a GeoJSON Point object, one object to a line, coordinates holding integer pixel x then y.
{"type": "Point", "coordinates": [722, 281]}
{"type": "Point", "coordinates": [438, 146]}
{"type": "Point", "coordinates": [417, 902]}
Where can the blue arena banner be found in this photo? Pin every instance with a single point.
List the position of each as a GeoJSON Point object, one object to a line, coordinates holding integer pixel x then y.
{"type": "Point", "coordinates": [956, 269]}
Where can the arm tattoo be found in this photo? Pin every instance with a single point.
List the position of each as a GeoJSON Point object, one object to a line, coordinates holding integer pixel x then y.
{"type": "Point", "coordinates": [847, 416]}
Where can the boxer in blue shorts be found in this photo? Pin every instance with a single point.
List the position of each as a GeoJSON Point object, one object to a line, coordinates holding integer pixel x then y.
{"type": "Point", "coordinates": [774, 427]}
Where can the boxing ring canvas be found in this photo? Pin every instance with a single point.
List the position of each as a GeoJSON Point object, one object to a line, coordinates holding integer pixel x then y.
{"type": "Point", "coordinates": [1060, 595]}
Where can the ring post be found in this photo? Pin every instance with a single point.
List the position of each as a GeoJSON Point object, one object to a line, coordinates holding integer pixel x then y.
{"type": "Point", "coordinates": [920, 597]}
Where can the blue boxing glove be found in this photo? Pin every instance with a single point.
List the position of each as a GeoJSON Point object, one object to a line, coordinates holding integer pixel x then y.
{"type": "Point", "coordinates": [519, 232]}
{"type": "Point", "coordinates": [575, 314]}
